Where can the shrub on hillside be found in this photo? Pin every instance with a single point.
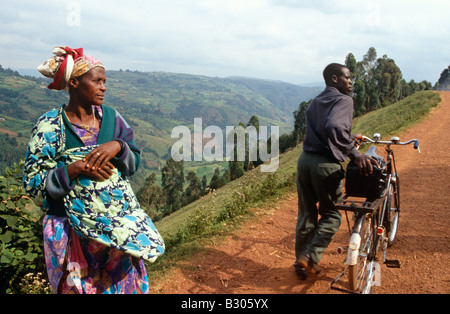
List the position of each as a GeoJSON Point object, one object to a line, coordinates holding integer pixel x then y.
{"type": "Point", "coordinates": [21, 247]}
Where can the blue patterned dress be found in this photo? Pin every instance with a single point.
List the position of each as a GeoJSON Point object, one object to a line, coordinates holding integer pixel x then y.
{"type": "Point", "coordinates": [96, 236]}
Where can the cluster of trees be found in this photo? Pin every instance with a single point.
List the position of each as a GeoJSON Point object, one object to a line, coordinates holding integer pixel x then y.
{"type": "Point", "coordinates": [171, 195]}
{"type": "Point", "coordinates": [8, 71]}
{"type": "Point", "coordinates": [289, 140]}
{"type": "Point", "coordinates": [177, 189]}
{"type": "Point", "coordinates": [377, 82]}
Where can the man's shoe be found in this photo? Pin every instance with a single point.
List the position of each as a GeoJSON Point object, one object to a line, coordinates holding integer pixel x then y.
{"type": "Point", "coordinates": [301, 272]}
{"type": "Point", "coordinates": [312, 268]}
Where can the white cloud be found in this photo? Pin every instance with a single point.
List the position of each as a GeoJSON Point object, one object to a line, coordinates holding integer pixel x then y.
{"type": "Point", "coordinates": [286, 40]}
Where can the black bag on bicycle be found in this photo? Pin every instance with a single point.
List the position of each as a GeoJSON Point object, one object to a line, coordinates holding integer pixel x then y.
{"type": "Point", "coordinates": [371, 186]}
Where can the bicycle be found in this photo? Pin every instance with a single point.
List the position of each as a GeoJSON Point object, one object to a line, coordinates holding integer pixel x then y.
{"type": "Point", "coordinates": [375, 203]}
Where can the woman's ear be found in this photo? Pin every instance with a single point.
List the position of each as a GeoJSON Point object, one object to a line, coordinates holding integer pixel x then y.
{"type": "Point", "coordinates": [73, 83]}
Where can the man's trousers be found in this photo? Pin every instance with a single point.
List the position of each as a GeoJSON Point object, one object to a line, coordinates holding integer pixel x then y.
{"type": "Point", "coordinates": [319, 185]}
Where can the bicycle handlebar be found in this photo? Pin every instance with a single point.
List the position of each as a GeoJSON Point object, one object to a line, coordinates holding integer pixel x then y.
{"type": "Point", "coordinates": [394, 140]}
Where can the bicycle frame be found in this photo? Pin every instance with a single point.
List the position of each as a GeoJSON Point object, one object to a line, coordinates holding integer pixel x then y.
{"type": "Point", "coordinates": [381, 232]}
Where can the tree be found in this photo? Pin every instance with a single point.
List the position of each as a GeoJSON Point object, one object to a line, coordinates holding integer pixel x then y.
{"type": "Point", "coordinates": [350, 62]}
{"type": "Point", "coordinates": [287, 141]}
{"type": "Point", "coordinates": [235, 165]}
{"type": "Point", "coordinates": [193, 190]}
{"type": "Point", "coordinates": [254, 121]}
{"type": "Point", "coordinates": [369, 62]}
{"type": "Point", "coordinates": [172, 184]}
{"type": "Point", "coordinates": [214, 183]}
{"type": "Point", "coordinates": [250, 164]}
{"type": "Point", "coordinates": [236, 169]}
{"type": "Point", "coordinates": [387, 77]}
{"type": "Point", "coordinates": [368, 76]}
{"type": "Point", "coordinates": [150, 197]}
{"type": "Point", "coordinates": [359, 98]}
{"type": "Point", "coordinates": [217, 181]}
{"type": "Point", "coordinates": [444, 80]}
{"type": "Point", "coordinates": [300, 120]}
{"type": "Point", "coordinates": [204, 184]}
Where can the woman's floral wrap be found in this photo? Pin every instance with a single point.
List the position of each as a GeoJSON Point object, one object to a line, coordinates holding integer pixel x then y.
{"type": "Point", "coordinates": [107, 212]}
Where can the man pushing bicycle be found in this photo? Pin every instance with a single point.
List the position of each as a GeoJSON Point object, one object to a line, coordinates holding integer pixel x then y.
{"type": "Point", "coordinates": [328, 142]}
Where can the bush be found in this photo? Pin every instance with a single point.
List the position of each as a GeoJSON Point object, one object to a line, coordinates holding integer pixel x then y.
{"type": "Point", "coordinates": [21, 247]}
{"type": "Point", "coordinates": [198, 224]}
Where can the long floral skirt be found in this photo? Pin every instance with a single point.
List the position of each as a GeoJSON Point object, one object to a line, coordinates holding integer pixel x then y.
{"type": "Point", "coordinates": [83, 266]}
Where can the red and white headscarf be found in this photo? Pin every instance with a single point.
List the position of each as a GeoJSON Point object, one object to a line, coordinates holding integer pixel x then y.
{"type": "Point", "coordinates": [67, 63]}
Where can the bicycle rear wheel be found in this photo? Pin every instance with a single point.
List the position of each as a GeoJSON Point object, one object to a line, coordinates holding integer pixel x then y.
{"type": "Point", "coordinates": [358, 255]}
{"type": "Point", "coordinates": [393, 208]}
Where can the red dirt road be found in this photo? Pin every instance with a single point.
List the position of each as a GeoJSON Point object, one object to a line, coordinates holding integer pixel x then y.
{"type": "Point", "coordinates": [258, 259]}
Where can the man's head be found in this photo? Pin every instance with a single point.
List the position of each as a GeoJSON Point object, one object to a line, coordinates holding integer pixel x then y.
{"type": "Point", "coordinates": [338, 76]}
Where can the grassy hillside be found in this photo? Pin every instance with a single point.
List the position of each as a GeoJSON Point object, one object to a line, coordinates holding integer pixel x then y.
{"type": "Point", "coordinates": [393, 119]}
{"type": "Point", "coordinates": [220, 212]}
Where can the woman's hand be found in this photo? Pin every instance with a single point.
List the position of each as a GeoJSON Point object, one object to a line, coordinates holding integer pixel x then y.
{"type": "Point", "coordinates": [97, 163]}
{"type": "Point", "coordinates": [98, 158]}
{"type": "Point", "coordinates": [79, 168]}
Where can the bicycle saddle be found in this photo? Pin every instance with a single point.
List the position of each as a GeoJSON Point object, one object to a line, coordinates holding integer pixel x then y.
{"type": "Point", "coordinates": [372, 152]}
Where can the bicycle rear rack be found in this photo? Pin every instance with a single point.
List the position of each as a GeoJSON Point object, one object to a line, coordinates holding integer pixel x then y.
{"type": "Point", "coordinates": [356, 206]}
{"type": "Point", "coordinates": [359, 206]}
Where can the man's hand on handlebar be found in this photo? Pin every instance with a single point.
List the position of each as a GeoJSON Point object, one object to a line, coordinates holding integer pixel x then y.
{"type": "Point", "coordinates": [359, 139]}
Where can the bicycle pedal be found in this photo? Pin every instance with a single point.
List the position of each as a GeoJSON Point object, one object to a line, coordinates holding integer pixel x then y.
{"type": "Point", "coordinates": [392, 263]}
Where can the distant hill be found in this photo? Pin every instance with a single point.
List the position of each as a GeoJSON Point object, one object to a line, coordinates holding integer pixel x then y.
{"type": "Point", "coordinates": [219, 101]}
{"type": "Point", "coordinates": [155, 102]}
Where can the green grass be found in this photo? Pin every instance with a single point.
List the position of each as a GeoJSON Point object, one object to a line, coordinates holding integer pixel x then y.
{"type": "Point", "coordinates": [395, 118]}
{"type": "Point", "coordinates": [223, 211]}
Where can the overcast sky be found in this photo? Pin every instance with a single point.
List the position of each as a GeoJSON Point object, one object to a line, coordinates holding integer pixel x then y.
{"type": "Point", "coordinates": [287, 40]}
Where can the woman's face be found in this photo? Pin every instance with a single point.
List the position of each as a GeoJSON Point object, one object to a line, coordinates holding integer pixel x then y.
{"type": "Point", "coordinates": [91, 88]}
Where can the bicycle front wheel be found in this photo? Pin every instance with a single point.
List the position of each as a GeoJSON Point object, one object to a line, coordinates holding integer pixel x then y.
{"type": "Point", "coordinates": [358, 255]}
{"type": "Point", "coordinates": [393, 211]}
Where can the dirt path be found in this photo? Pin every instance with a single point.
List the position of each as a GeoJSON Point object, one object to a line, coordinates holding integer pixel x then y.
{"type": "Point", "coordinates": [11, 133]}
{"type": "Point", "coordinates": [258, 259]}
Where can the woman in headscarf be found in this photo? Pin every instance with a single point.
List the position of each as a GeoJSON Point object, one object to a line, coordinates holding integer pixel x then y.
{"type": "Point", "coordinates": [96, 236]}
